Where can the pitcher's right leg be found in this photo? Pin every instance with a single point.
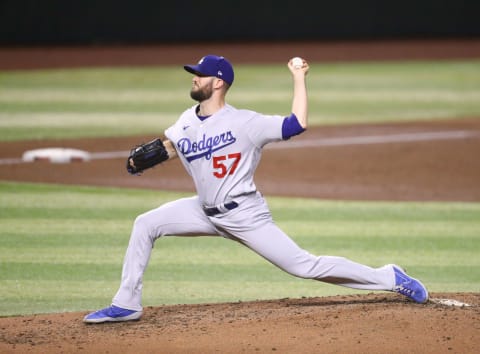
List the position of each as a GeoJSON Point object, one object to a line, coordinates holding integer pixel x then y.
{"type": "Point", "coordinates": [183, 217]}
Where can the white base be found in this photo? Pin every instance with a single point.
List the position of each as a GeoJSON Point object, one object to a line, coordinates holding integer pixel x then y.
{"type": "Point", "coordinates": [56, 155]}
{"type": "Point", "coordinates": [450, 302]}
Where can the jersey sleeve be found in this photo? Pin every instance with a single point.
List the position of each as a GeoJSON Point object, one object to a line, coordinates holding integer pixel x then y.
{"type": "Point", "coordinates": [170, 133]}
{"type": "Point", "coordinates": [263, 129]}
{"type": "Point", "coordinates": [291, 127]}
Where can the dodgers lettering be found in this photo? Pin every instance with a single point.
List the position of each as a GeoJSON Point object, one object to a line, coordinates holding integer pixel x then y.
{"type": "Point", "coordinates": [205, 146]}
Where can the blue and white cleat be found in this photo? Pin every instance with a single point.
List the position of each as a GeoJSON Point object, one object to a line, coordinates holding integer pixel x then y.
{"type": "Point", "coordinates": [112, 314]}
{"type": "Point", "coordinates": [408, 286]}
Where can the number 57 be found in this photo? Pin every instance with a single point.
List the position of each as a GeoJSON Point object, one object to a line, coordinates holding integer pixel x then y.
{"type": "Point", "coordinates": [222, 168]}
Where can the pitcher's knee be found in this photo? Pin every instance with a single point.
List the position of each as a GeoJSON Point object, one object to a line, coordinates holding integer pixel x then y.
{"type": "Point", "coordinates": [309, 267]}
{"type": "Point", "coordinates": [143, 227]}
{"type": "Point", "coordinates": [140, 223]}
{"type": "Point", "coordinates": [299, 270]}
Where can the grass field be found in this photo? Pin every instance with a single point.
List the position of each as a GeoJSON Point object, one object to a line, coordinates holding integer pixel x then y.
{"type": "Point", "coordinates": [61, 248]}
{"type": "Point", "coordinates": [125, 101]}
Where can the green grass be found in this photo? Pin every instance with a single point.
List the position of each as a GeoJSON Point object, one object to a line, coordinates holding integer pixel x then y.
{"type": "Point", "coordinates": [61, 248]}
{"type": "Point", "coordinates": [71, 103]}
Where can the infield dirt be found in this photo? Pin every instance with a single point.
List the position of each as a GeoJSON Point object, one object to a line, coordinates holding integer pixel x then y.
{"type": "Point", "coordinates": [431, 169]}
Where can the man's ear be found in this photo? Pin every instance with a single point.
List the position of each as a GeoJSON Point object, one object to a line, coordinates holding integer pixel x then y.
{"type": "Point", "coordinates": [219, 83]}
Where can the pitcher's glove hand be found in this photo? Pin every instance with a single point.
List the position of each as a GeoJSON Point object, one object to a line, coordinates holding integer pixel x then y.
{"type": "Point", "coordinates": [146, 156]}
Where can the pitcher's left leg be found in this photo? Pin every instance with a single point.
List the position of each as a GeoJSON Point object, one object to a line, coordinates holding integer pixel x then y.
{"type": "Point", "coordinates": [273, 244]}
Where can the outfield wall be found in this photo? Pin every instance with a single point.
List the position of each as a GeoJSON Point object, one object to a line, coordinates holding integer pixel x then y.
{"type": "Point", "coordinates": [27, 22]}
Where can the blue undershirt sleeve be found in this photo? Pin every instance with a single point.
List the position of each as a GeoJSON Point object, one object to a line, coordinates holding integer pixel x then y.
{"type": "Point", "coordinates": [291, 127]}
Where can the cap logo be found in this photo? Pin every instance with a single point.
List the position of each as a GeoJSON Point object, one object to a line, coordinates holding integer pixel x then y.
{"type": "Point", "coordinates": [220, 73]}
{"type": "Point", "coordinates": [201, 60]}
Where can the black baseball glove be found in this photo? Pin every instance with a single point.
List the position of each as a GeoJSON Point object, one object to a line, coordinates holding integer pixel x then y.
{"type": "Point", "coordinates": [146, 156]}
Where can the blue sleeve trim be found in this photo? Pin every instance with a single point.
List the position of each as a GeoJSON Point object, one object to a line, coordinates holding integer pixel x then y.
{"type": "Point", "coordinates": [291, 127]}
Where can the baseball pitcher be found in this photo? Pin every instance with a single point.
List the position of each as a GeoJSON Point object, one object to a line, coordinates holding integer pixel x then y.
{"type": "Point", "coordinates": [220, 147]}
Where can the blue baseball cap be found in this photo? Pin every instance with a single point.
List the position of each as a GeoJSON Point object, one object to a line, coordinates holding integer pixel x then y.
{"type": "Point", "coordinates": [213, 65]}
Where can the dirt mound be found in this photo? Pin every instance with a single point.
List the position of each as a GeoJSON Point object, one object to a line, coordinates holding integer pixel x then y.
{"type": "Point", "coordinates": [371, 323]}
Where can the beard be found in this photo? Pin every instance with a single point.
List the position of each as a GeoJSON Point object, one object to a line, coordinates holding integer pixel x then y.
{"type": "Point", "coordinates": [201, 94]}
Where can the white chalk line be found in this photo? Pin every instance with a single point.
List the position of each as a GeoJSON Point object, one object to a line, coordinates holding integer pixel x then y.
{"type": "Point", "coordinates": [378, 139]}
{"type": "Point", "coordinates": [310, 143]}
{"type": "Point", "coordinates": [92, 156]}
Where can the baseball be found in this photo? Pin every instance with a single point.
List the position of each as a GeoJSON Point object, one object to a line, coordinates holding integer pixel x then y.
{"type": "Point", "coordinates": [297, 62]}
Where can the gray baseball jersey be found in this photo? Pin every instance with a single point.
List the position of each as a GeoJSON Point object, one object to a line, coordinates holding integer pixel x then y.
{"type": "Point", "coordinates": [222, 152]}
